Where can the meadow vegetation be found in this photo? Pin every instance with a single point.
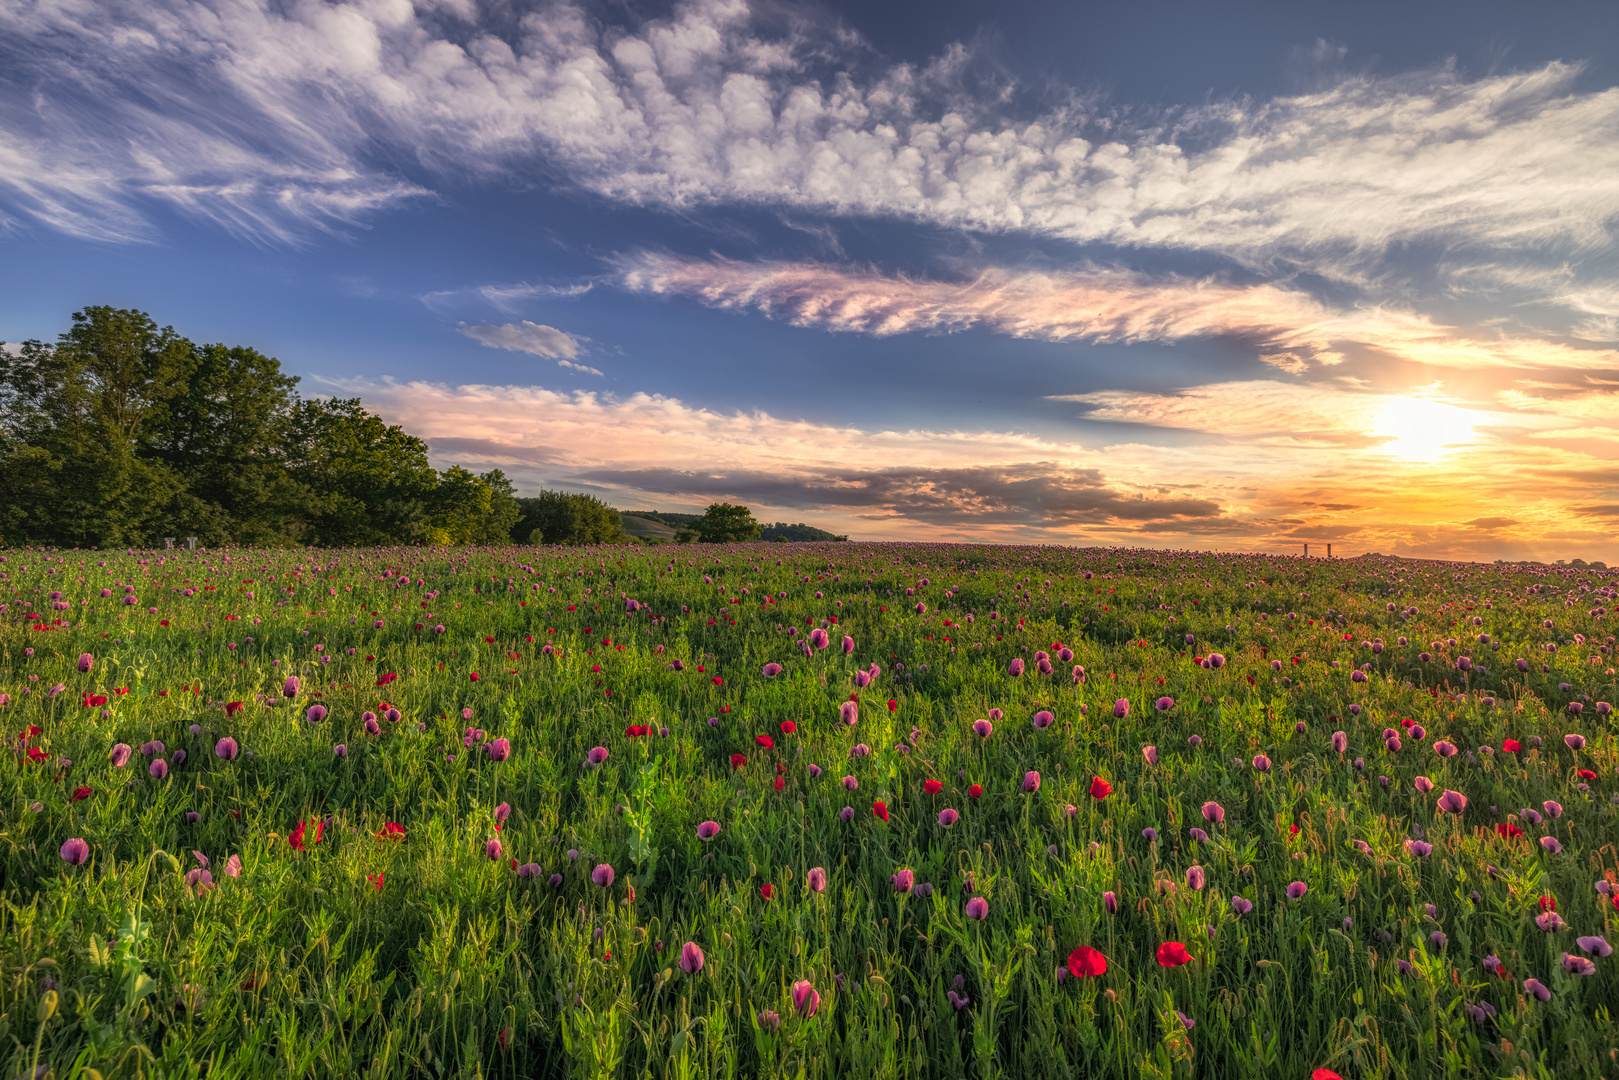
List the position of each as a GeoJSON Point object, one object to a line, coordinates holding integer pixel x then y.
{"type": "Point", "coordinates": [827, 810]}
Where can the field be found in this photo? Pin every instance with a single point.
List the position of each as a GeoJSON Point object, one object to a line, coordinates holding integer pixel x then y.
{"type": "Point", "coordinates": [815, 810]}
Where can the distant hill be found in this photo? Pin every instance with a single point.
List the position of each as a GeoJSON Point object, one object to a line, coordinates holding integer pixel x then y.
{"type": "Point", "coordinates": [662, 525]}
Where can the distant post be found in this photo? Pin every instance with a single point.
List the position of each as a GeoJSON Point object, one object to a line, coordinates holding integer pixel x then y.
{"type": "Point", "coordinates": [1329, 551]}
{"type": "Point", "coordinates": [1306, 551]}
{"type": "Point", "coordinates": [191, 543]}
{"type": "Point", "coordinates": [168, 542]}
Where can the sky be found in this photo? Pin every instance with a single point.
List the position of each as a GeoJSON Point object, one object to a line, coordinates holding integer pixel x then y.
{"type": "Point", "coordinates": [1235, 277]}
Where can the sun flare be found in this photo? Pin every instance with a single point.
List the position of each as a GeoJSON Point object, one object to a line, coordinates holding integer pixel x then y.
{"type": "Point", "coordinates": [1422, 430]}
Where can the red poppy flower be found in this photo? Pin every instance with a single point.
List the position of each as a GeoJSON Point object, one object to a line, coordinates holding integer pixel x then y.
{"type": "Point", "coordinates": [1292, 831]}
{"type": "Point", "coordinates": [717, 681]}
{"type": "Point", "coordinates": [765, 741]}
{"type": "Point", "coordinates": [893, 706]}
{"type": "Point", "coordinates": [788, 727]}
{"type": "Point", "coordinates": [81, 793]}
{"type": "Point", "coordinates": [375, 879]}
{"type": "Point", "coordinates": [1511, 746]}
{"type": "Point", "coordinates": [30, 732]}
{"type": "Point", "coordinates": [1548, 903]}
{"type": "Point", "coordinates": [975, 790]}
{"type": "Point", "coordinates": [36, 754]}
{"type": "Point", "coordinates": [1325, 1074]}
{"type": "Point", "coordinates": [1173, 954]}
{"type": "Point", "coordinates": [932, 787]}
{"type": "Point", "coordinates": [1586, 775]}
{"type": "Point", "coordinates": [738, 760]}
{"type": "Point", "coordinates": [297, 838]}
{"type": "Point", "coordinates": [1086, 963]}
{"type": "Point", "coordinates": [767, 891]}
{"type": "Point", "coordinates": [391, 831]}
{"type": "Point", "coordinates": [1508, 830]}
{"type": "Point", "coordinates": [474, 676]}
{"type": "Point", "coordinates": [1100, 789]}
{"type": "Point", "coordinates": [780, 784]}
{"type": "Point", "coordinates": [233, 708]}
{"type": "Point", "coordinates": [880, 808]}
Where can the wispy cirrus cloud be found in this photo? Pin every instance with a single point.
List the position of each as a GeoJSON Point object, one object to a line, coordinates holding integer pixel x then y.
{"type": "Point", "coordinates": [1289, 327]}
{"type": "Point", "coordinates": [265, 116]}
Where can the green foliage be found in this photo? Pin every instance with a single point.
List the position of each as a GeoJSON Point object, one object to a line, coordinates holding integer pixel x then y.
{"type": "Point", "coordinates": [724, 523]}
{"type": "Point", "coordinates": [796, 533]}
{"type": "Point", "coordinates": [562, 517]}
{"type": "Point", "coordinates": [121, 433]}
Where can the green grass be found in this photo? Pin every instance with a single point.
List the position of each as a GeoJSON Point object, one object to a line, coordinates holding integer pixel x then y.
{"type": "Point", "coordinates": [457, 965]}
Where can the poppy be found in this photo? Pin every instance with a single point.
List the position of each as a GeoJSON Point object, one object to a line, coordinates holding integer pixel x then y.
{"type": "Point", "coordinates": [1508, 830]}
{"type": "Point", "coordinates": [880, 808]}
{"type": "Point", "coordinates": [1086, 963]}
{"type": "Point", "coordinates": [1173, 954]}
{"type": "Point", "coordinates": [780, 784]}
{"type": "Point", "coordinates": [375, 879]}
{"type": "Point", "coordinates": [932, 787]}
{"type": "Point", "coordinates": [788, 727]}
{"type": "Point", "coordinates": [1100, 789]}
{"type": "Point", "coordinates": [767, 891]}
{"type": "Point", "coordinates": [1511, 746]}
{"type": "Point", "coordinates": [764, 741]}
{"type": "Point", "coordinates": [81, 793]}
{"type": "Point", "coordinates": [391, 831]}
{"type": "Point", "coordinates": [738, 760]}
{"type": "Point", "coordinates": [975, 790]}
{"type": "Point", "coordinates": [893, 706]}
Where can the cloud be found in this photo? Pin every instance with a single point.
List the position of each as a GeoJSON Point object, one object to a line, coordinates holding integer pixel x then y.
{"type": "Point", "coordinates": [536, 338]}
{"type": "Point", "coordinates": [583, 368]}
{"type": "Point", "coordinates": [264, 116]}
{"type": "Point", "coordinates": [1288, 327]}
{"type": "Point", "coordinates": [1491, 523]}
{"type": "Point", "coordinates": [936, 483]}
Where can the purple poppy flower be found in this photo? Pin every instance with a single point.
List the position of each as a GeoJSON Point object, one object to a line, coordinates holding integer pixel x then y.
{"type": "Point", "coordinates": [1452, 802]}
{"type": "Point", "coordinates": [225, 748]}
{"type": "Point", "coordinates": [499, 749]}
{"type": "Point", "coordinates": [948, 817]}
{"type": "Point", "coordinates": [1121, 709]}
{"type": "Point", "coordinates": [1596, 946]}
{"type": "Point", "coordinates": [1151, 754]}
{"type": "Point", "coordinates": [708, 830]}
{"type": "Point", "coordinates": [86, 662]}
{"type": "Point", "coordinates": [846, 815]}
{"type": "Point", "coordinates": [848, 714]}
{"type": "Point", "coordinates": [1110, 902]}
{"type": "Point", "coordinates": [1297, 889]}
{"type": "Point", "coordinates": [1241, 906]}
{"type": "Point", "coordinates": [120, 755]}
{"type": "Point", "coordinates": [1164, 704]}
{"type": "Point", "coordinates": [815, 880]}
{"type": "Point", "coordinates": [1031, 781]}
{"type": "Point", "coordinates": [602, 875]}
{"type": "Point", "coordinates": [1538, 989]}
{"type": "Point", "coordinates": [158, 768]}
{"type": "Point", "coordinates": [1340, 741]}
{"type": "Point", "coordinates": [1043, 719]}
{"type": "Point", "coordinates": [75, 851]}
{"type": "Point", "coordinates": [315, 714]}
{"type": "Point", "coordinates": [806, 999]}
{"type": "Point", "coordinates": [978, 909]}
{"type": "Point", "coordinates": [902, 881]}
{"type": "Point", "coordinates": [1213, 812]}
{"type": "Point", "coordinates": [1574, 742]}
{"type": "Point", "coordinates": [1261, 763]}
{"type": "Point", "coordinates": [597, 755]}
{"type": "Point", "coordinates": [341, 750]}
{"type": "Point", "coordinates": [290, 689]}
{"type": "Point", "coordinates": [1195, 877]}
{"type": "Point", "coordinates": [1552, 844]}
{"type": "Point", "coordinates": [983, 728]}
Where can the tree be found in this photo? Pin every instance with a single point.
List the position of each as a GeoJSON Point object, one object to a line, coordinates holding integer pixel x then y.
{"type": "Point", "coordinates": [559, 517]}
{"type": "Point", "coordinates": [80, 407]}
{"type": "Point", "coordinates": [503, 509]}
{"type": "Point", "coordinates": [362, 481]}
{"type": "Point", "coordinates": [724, 523]}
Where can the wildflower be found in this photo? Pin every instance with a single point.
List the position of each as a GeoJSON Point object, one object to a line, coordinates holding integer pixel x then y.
{"type": "Point", "coordinates": [1043, 719]}
{"type": "Point", "coordinates": [880, 809]}
{"type": "Point", "coordinates": [1151, 754]}
{"type": "Point", "coordinates": [846, 815]}
{"type": "Point", "coordinates": [598, 754]}
{"type": "Point", "coordinates": [1340, 741]}
{"type": "Point", "coordinates": [1195, 877]}
{"type": "Point", "coordinates": [602, 875]}
{"type": "Point", "coordinates": [1121, 709]}
{"type": "Point", "coordinates": [1173, 954]}
{"type": "Point", "coordinates": [1241, 906]}
{"type": "Point", "coordinates": [1261, 763]}
{"type": "Point", "coordinates": [691, 958]}
{"type": "Point", "coordinates": [225, 749]}
{"type": "Point", "coordinates": [1452, 802]}
{"type": "Point", "coordinates": [1213, 812]}
{"type": "Point", "coordinates": [948, 817]}
{"type": "Point", "coordinates": [1596, 946]}
{"type": "Point", "coordinates": [1099, 790]}
{"type": "Point", "coordinates": [1552, 844]}
{"type": "Point", "coordinates": [75, 852]}
{"type": "Point", "coordinates": [805, 998]}
{"type": "Point", "coordinates": [81, 793]}
{"type": "Point", "coordinates": [1535, 987]}
{"type": "Point", "coordinates": [1015, 668]}
{"type": "Point", "coordinates": [815, 880]}
{"type": "Point", "coordinates": [341, 750]}
{"type": "Point", "coordinates": [120, 755]}
{"type": "Point", "coordinates": [1419, 848]}
{"type": "Point", "coordinates": [1031, 781]}
{"type": "Point", "coordinates": [158, 769]}
{"type": "Point", "coordinates": [708, 830]}
{"type": "Point", "coordinates": [499, 750]}
{"type": "Point", "coordinates": [978, 909]}
{"type": "Point", "coordinates": [291, 688]}
{"type": "Point", "coordinates": [975, 790]}
{"type": "Point", "coordinates": [1086, 963]}
{"type": "Point", "coordinates": [1574, 742]}
{"type": "Point", "coordinates": [902, 881]}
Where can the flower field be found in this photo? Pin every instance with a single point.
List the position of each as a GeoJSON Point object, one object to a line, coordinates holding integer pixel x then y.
{"type": "Point", "coordinates": [817, 810]}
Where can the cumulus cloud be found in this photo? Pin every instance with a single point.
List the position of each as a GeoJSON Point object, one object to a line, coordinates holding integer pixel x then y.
{"type": "Point", "coordinates": [260, 115]}
{"type": "Point", "coordinates": [1289, 327]}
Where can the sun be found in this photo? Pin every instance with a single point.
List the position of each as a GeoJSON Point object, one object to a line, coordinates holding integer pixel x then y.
{"type": "Point", "coordinates": [1422, 430]}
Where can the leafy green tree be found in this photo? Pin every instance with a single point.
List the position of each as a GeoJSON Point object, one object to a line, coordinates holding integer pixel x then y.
{"type": "Point", "coordinates": [79, 408]}
{"type": "Point", "coordinates": [503, 509]}
{"type": "Point", "coordinates": [224, 433]}
{"type": "Point", "coordinates": [559, 517]}
{"type": "Point", "coordinates": [362, 481]}
{"type": "Point", "coordinates": [724, 523]}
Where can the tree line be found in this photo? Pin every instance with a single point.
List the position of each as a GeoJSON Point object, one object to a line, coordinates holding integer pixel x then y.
{"type": "Point", "coordinates": [121, 433]}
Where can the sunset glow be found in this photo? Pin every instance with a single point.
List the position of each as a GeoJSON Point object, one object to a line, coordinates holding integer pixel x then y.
{"type": "Point", "coordinates": [902, 272]}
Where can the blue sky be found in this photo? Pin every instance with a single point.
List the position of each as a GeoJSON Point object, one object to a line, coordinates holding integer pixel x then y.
{"type": "Point", "coordinates": [1149, 274]}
